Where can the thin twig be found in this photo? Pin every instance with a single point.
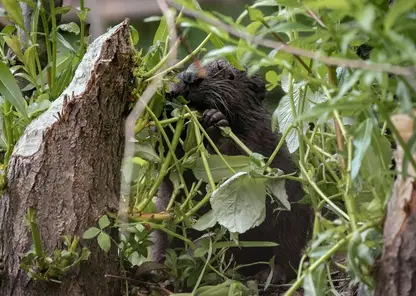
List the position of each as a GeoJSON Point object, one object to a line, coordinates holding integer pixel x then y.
{"type": "Point", "coordinates": [346, 63]}
{"type": "Point", "coordinates": [315, 17]}
{"type": "Point", "coordinates": [147, 284]}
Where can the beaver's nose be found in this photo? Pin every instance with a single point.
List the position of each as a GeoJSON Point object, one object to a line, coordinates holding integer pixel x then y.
{"type": "Point", "coordinates": [193, 74]}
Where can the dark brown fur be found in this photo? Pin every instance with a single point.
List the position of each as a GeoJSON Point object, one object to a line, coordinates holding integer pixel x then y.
{"type": "Point", "coordinates": [227, 96]}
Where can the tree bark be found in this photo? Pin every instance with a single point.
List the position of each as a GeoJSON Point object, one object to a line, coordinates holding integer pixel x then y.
{"type": "Point", "coordinates": [396, 273]}
{"type": "Point", "coordinates": [67, 167]}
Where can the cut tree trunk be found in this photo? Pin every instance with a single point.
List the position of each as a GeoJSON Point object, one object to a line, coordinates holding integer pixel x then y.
{"type": "Point", "coordinates": [396, 272]}
{"type": "Point", "coordinates": [67, 167]}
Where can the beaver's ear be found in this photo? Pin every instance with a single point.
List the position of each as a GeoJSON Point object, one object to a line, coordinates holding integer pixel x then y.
{"type": "Point", "coordinates": [258, 86]}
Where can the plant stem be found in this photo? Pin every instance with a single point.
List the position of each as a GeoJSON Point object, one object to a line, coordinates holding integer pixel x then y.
{"type": "Point", "coordinates": [161, 62]}
{"type": "Point", "coordinates": [314, 186]}
{"type": "Point", "coordinates": [82, 46]}
{"type": "Point", "coordinates": [169, 120]}
{"type": "Point", "coordinates": [195, 119]}
{"type": "Point", "coordinates": [236, 140]}
{"type": "Point", "coordinates": [47, 41]}
{"type": "Point", "coordinates": [325, 257]}
{"type": "Point", "coordinates": [348, 198]}
{"type": "Point", "coordinates": [277, 149]}
{"type": "Point", "coordinates": [34, 229]}
{"type": "Point", "coordinates": [164, 168]}
{"type": "Point", "coordinates": [174, 234]}
{"type": "Point", "coordinates": [8, 129]}
{"type": "Point", "coordinates": [197, 206]}
{"type": "Point", "coordinates": [204, 156]}
{"type": "Point", "coordinates": [54, 43]}
{"type": "Point", "coordinates": [166, 138]}
{"type": "Point", "coordinates": [322, 159]}
{"type": "Point", "coordinates": [182, 62]}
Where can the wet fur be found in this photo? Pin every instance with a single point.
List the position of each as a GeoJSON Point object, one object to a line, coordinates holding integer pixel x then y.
{"type": "Point", "coordinates": [240, 99]}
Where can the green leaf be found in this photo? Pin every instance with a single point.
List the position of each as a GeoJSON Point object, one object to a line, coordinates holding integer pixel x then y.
{"type": "Point", "coordinates": [90, 233]}
{"type": "Point", "coordinates": [283, 115]}
{"type": "Point", "coordinates": [34, 21]}
{"type": "Point", "coordinates": [255, 14]}
{"type": "Point", "coordinates": [29, 57]}
{"type": "Point", "coordinates": [276, 188]}
{"type": "Point", "coordinates": [39, 106]}
{"type": "Point", "coordinates": [221, 52]}
{"type": "Point", "coordinates": [207, 220]}
{"type": "Point", "coordinates": [7, 30]}
{"type": "Point", "coordinates": [398, 8]}
{"type": "Point", "coordinates": [11, 91]}
{"type": "Point", "coordinates": [361, 142]}
{"type": "Point", "coordinates": [190, 140]}
{"type": "Point", "coordinates": [65, 43]}
{"type": "Point", "coordinates": [104, 241]}
{"type": "Point", "coordinates": [134, 35]}
{"type": "Point", "coordinates": [14, 12]}
{"type": "Point", "coordinates": [219, 169]}
{"type": "Point", "coordinates": [71, 28]}
{"type": "Point", "coordinates": [330, 4]}
{"type": "Point", "coordinates": [162, 32]}
{"type": "Point", "coordinates": [315, 283]}
{"type": "Point", "coordinates": [239, 202]}
{"type": "Point", "coordinates": [147, 152]}
{"type": "Point", "coordinates": [154, 18]}
{"type": "Point", "coordinates": [82, 15]}
{"type": "Point", "coordinates": [135, 258]}
{"type": "Point", "coordinates": [85, 254]}
{"type": "Point", "coordinates": [63, 9]}
{"type": "Point", "coordinates": [272, 77]}
{"type": "Point", "coordinates": [63, 80]}
{"type": "Point", "coordinates": [200, 252]}
{"type": "Point", "coordinates": [366, 17]}
{"type": "Point", "coordinates": [15, 45]}
{"type": "Point", "coordinates": [104, 222]}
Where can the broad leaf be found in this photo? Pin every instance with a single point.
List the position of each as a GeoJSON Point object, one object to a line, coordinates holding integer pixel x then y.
{"type": "Point", "coordinates": [239, 202]}
{"type": "Point", "coordinates": [90, 233]}
{"type": "Point", "coordinates": [104, 241]}
{"type": "Point", "coordinates": [206, 221]}
{"type": "Point", "coordinates": [104, 222]}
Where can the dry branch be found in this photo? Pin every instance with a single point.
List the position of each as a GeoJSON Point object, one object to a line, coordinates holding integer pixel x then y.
{"type": "Point", "coordinates": [67, 167]}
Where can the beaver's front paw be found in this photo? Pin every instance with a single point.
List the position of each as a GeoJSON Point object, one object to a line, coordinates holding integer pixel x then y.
{"type": "Point", "coordinates": [213, 119]}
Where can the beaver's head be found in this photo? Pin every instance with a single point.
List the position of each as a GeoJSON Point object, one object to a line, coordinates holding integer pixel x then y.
{"type": "Point", "coordinates": [218, 85]}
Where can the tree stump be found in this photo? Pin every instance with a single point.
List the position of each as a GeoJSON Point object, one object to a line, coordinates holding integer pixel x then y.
{"type": "Point", "coordinates": [67, 167]}
{"type": "Point", "coordinates": [396, 272]}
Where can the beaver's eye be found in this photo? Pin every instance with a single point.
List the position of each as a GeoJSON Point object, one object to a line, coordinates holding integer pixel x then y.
{"type": "Point", "coordinates": [230, 76]}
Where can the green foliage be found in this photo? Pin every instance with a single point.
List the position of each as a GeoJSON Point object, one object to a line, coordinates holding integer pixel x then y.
{"type": "Point", "coordinates": [39, 266]}
{"type": "Point", "coordinates": [29, 79]}
{"type": "Point", "coordinates": [334, 118]}
{"type": "Point", "coordinates": [103, 239]}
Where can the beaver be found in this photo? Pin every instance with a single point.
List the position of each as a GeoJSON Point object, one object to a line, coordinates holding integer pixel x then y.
{"type": "Point", "coordinates": [228, 97]}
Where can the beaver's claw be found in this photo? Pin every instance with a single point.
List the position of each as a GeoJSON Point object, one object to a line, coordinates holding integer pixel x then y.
{"type": "Point", "coordinates": [212, 119]}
